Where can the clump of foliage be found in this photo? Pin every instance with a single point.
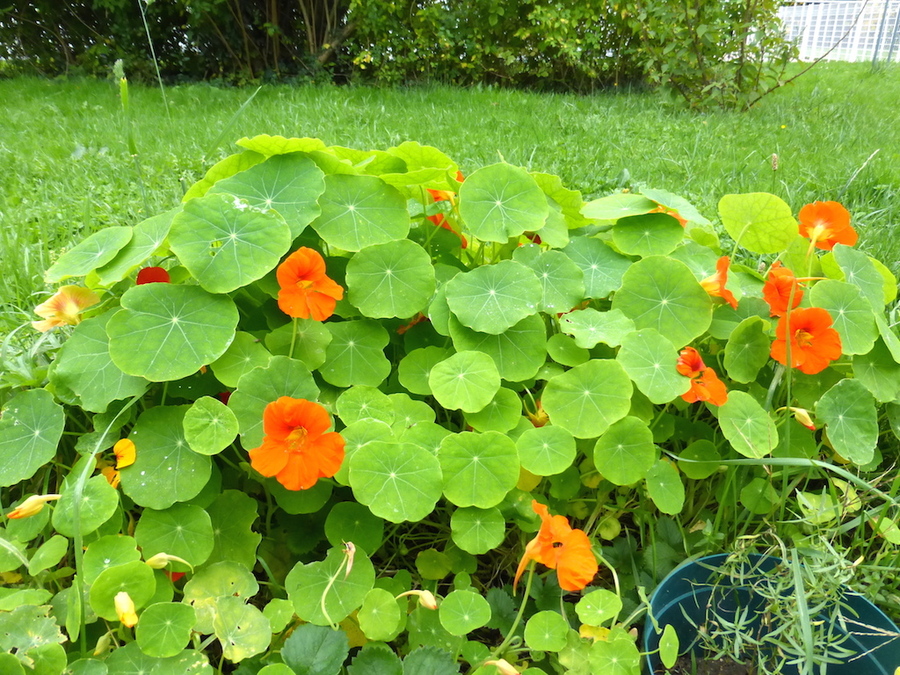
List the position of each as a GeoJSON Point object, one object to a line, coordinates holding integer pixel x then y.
{"type": "Point", "coordinates": [332, 409]}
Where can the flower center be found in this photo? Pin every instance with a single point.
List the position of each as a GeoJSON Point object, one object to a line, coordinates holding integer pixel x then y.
{"type": "Point", "coordinates": [296, 440]}
{"type": "Point", "coordinates": [803, 338]}
{"type": "Point", "coordinates": [305, 284]}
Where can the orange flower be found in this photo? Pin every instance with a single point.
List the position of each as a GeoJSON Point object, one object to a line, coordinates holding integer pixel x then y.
{"type": "Point", "coordinates": [715, 285]}
{"type": "Point", "coordinates": [705, 384]}
{"type": "Point", "coordinates": [296, 448]}
{"type": "Point", "coordinates": [152, 275]}
{"type": "Point", "coordinates": [446, 196]}
{"type": "Point", "coordinates": [780, 282]}
{"type": "Point", "coordinates": [64, 308]}
{"type": "Point", "coordinates": [670, 212]}
{"type": "Point", "coordinates": [826, 224]}
{"type": "Point", "coordinates": [125, 453]}
{"type": "Point", "coordinates": [112, 476]}
{"type": "Point", "coordinates": [306, 292]}
{"type": "Point", "coordinates": [561, 548]}
{"type": "Point", "coordinates": [814, 343]}
{"type": "Point", "coordinates": [689, 362]}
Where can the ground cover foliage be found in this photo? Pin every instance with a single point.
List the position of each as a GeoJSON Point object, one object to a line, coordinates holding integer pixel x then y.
{"type": "Point", "coordinates": [391, 409]}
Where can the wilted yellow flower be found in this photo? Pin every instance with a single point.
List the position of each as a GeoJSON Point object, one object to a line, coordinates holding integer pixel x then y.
{"type": "Point", "coordinates": [31, 506]}
{"type": "Point", "coordinates": [64, 307]}
{"type": "Point", "coordinates": [125, 609]}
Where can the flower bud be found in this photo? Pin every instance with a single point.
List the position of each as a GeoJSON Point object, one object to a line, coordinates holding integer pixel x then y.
{"type": "Point", "coordinates": [503, 666]}
{"type": "Point", "coordinates": [31, 506]}
{"type": "Point", "coordinates": [125, 609]}
{"type": "Point", "coordinates": [103, 644]}
{"type": "Point", "coordinates": [426, 598]}
{"type": "Point", "coordinates": [161, 561]}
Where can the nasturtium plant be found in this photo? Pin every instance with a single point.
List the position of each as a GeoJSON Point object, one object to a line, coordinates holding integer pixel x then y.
{"type": "Point", "coordinates": [338, 407]}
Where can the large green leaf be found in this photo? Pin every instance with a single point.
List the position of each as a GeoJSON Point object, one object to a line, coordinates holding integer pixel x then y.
{"type": "Point", "coordinates": [492, 298]}
{"type": "Point", "coordinates": [223, 579]}
{"type": "Point", "coordinates": [502, 201]}
{"type": "Point", "coordinates": [134, 578]}
{"type": "Point", "coordinates": [662, 294]}
{"type": "Point", "coordinates": [364, 403]}
{"type": "Point", "coordinates": [665, 487]}
{"type": "Point", "coordinates": [164, 628]}
{"type": "Point", "coordinates": [478, 469]}
{"type": "Point", "coordinates": [848, 410]}
{"type": "Point", "coordinates": [95, 251]}
{"type": "Point", "coordinates": [147, 237]}
{"type": "Point", "coordinates": [167, 332]}
{"type": "Point", "coordinates": [224, 169]}
{"type": "Point", "coordinates": [878, 371]}
{"type": "Point", "coordinates": [395, 279]}
{"type": "Point", "coordinates": [518, 352]}
{"type": "Point", "coordinates": [182, 530]}
{"type": "Point", "coordinates": [748, 349]}
{"type": "Point", "coordinates": [649, 234]}
{"type": "Point", "coordinates": [225, 243]}
{"type": "Point", "coordinates": [461, 612]}
{"type": "Point", "coordinates": [315, 650]}
{"type": "Point", "coordinates": [99, 501]}
{"type": "Point", "coordinates": [350, 521]}
{"type": "Point", "coordinates": [618, 205]}
{"type": "Point", "coordinates": [343, 590]}
{"type": "Point", "coordinates": [108, 551]}
{"type": "Point", "coordinates": [289, 184]}
{"type": "Point", "coordinates": [243, 355]}
{"type": "Point", "coordinates": [242, 629]}
{"type": "Point", "coordinates": [853, 317]}
{"type": "Point", "coordinates": [477, 531]}
{"type": "Point", "coordinates": [360, 211]}
{"type": "Point", "coordinates": [562, 282]}
{"type": "Point", "coordinates": [859, 271]}
{"type": "Point", "coordinates": [210, 426]}
{"type": "Point", "coordinates": [233, 514]}
{"type": "Point", "coordinates": [414, 368]}
{"type": "Point", "coordinates": [355, 354]}
{"type": "Point", "coordinates": [397, 481]}
{"type": "Point", "coordinates": [602, 268]}
{"type": "Point", "coordinates": [30, 428]}
{"type": "Point", "coordinates": [749, 428]}
{"type": "Point", "coordinates": [589, 398]}
{"type": "Point", "coordinates": [267, 145]}
{"type": "Point", "coordinates": [649, 359]}
{"type": "Point", "coordinates": [625, 453]}
{"type": "Point", "coordinates": [165, 469]}
{"type": "Point", "coordinates": [758, 221]}
{"type": "Point", "coordinates": [467, 381]}
{"type": "Point", "coordinates": [590, 327]}
{"type": "Point", "coordinates": [501, 414]}
{"type": "Point", "coordinates": [547, 450]}
{"type": "Point", "coordinates": [83, 365]}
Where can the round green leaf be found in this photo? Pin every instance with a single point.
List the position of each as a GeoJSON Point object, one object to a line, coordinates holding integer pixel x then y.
{"type": "Point", "coordinates": [598, 606]}
{"type": "Point", "coordinates": [93, 252]}
{"type": "Point", "coordinates": [106, 552]}
{"type": "Point", "coordinates": [668, 646]}
{"type": "Point", "coordinates": [749, 428]}
{"type": "Point", "coordinates": [83, 365]}
{"type": "Point", "coordinates": [343, 592]}
{"type": "Point", "coordinates": [98, 504]}
{"type": "Point", "coordinates": [562, 282]}
{"type": "Point", "coordinates": [467, 381]}
{"type": "Point", "coordinates": [848, 410]}
{"type": "Point", "coordinates": [759, 496]}
{"type": "Point", "coordinates": [562, 349]}
{"type": "Point", "coordinates": [501, 414]}
{"type": "Point", "coordinates": [397, 481]}
{"type": "Point", "coordinates": [433, 565]}
{"type": "Point", "coordinates": [223, 579]}
{"type": "Point", "coordinates": [262, 386]}
{"type": "Point", "coordinates": [426, 435]}
{"type": "Point", "coordinates": [492, 298]}
{"type": "Point", "coordinates": [79, 667]}
{"type": "Point", "coordinates": [166, 332]}
{"type": "Point", "coordinates": [301, 501]}
{"type": "Point", "coordinates": [479, 469]}
{"type": "Point", "coordinates": [209, 426]}
{"type": "Point", "coordinates": [748, 349]}
{"type": "Point", "coordinates": [165, 469]}
{"type": "Point", "coordinates": [188, 662]}
{"type": "Point", "coordinates": [547, 450]}
{"type": "Point", "coordinates": [349, 521]}
{"type": "Point", "coordinates": [649, 359]}
{"type": "Point", "coordinates": [546, 631]}
{"type": "Point", "coordinates": [147, 237]}
{"type": "Point", "coordinates": [242, 629]}
{"type": "Point", "coordinates": [703, 460]}
{"type": "Point", "coordinates": [10, 665]}
{"type": "Point", "coordinates": [315, 650]}
{"type": "Point", "coordinates": [409, 412]}
{"type": "Point", "coordinates": [618, 205]}
{"type": "Point", "coordinates": [364, 403]}
{"type": "Point", "coordinates": [760, 222]}
{"type": "Point", "coordinates": [289, 184]}
{"type": "Point", "coordinates": [588, 398]}
{"type": "Point", "coordinates": [181, 530]}
{"type": "Point", "coordinates": [625, 453]}
{"type": "Point", "coordinates": [590, 327]}
{"type": "Point", "coordinates": [48, 554]}
{"type": "Point", "coordinates": [415, 367]}
{"type": "Point", "coordinates": [243, 355]}
{"type": "Point", "coordinates": [232, 515]}
{"type": "Point", "coordinates": [462, 612]}
{"type": "Point", "coordinates": [878, 371]}
{"type": "Point", "coordinates": [662, 294]}
{"type": "Point", "coordinates": [360, 211]}
{"type": "Point", "coordinates": [279, 612]}
{"type": "Point", "coordinates": [31, 425]}
{"type": "Point", "coordinates": [164, 629]}
{"type": "Point", "coordinates": [379, 616]}
{"type": "Point", "coordinates": [134, 578]}
{"type": "Point", "coordinates": [648, 234]}
{"type": "Point", "coordinates": [502, 201]}
{"type": "Point", "coordinates": [615, 657]}
{"type": "Point", "coordinates": [477, 531]}
{"type": "Point", "coordinates": [395, 279]}
{"type": "Point", "coordinates": [358, 435]}
{"type": "Point", "coordinates": [225, 243]}
{"type": "Point", "coordinates": [852, 314]}
{"type": "Point", "coordinates": [665, 487]}
{"type": "Point", "coordinates": [601, 267]}
{"type": "Point", "coordinates": [130, 660]}
{"type": "Point", "coordinates": [518, 352]}
{"type": "Point", "coordinates": [309, 346]}
{"type": "Point", "coordinates": [356, 354]}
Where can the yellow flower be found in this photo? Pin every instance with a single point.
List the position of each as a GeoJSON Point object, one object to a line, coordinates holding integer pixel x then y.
{"type": "Point", "coordinates": [111, 475]}
{"type": "Point", "coordinates": [31, 506]}
{"type": "Point", "coordinates": [125, 609]}
{"type": "Point", "coordinates": [426, 598]}
{"type": "Point", "coordinates": [125, 453]}
{"type": "Point", "coordinates": [503, 667]}
{"type": "Point", "coordinates": [64, 308]}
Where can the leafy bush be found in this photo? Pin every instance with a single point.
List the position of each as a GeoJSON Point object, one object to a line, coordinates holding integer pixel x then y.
{"type": "Point", "coordinates": [337, 404]}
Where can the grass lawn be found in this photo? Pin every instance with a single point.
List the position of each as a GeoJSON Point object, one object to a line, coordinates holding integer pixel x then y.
{"type": "Point", "coordinates": [66, 169]}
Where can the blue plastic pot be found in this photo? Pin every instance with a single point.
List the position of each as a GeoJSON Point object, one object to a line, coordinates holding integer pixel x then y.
{"type": "Point", "coordinates": [681, 601]}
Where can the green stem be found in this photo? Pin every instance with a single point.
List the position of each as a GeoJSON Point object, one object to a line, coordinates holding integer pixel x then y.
{"type": "Point", "coordinates": [512, 629]}
{"type": "Point", "coordinates": [293, 339]}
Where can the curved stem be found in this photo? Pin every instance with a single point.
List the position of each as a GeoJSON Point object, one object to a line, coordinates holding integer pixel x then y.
{"type": "Point", "coordinates": [512, 629]}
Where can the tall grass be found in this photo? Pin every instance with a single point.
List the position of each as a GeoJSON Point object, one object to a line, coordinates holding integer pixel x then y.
{"type": "Point", "coordinates": [65, 169]}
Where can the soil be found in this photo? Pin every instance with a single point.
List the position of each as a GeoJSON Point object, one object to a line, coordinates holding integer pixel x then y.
{"type": "Point", "coordinates": [685, 666]}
